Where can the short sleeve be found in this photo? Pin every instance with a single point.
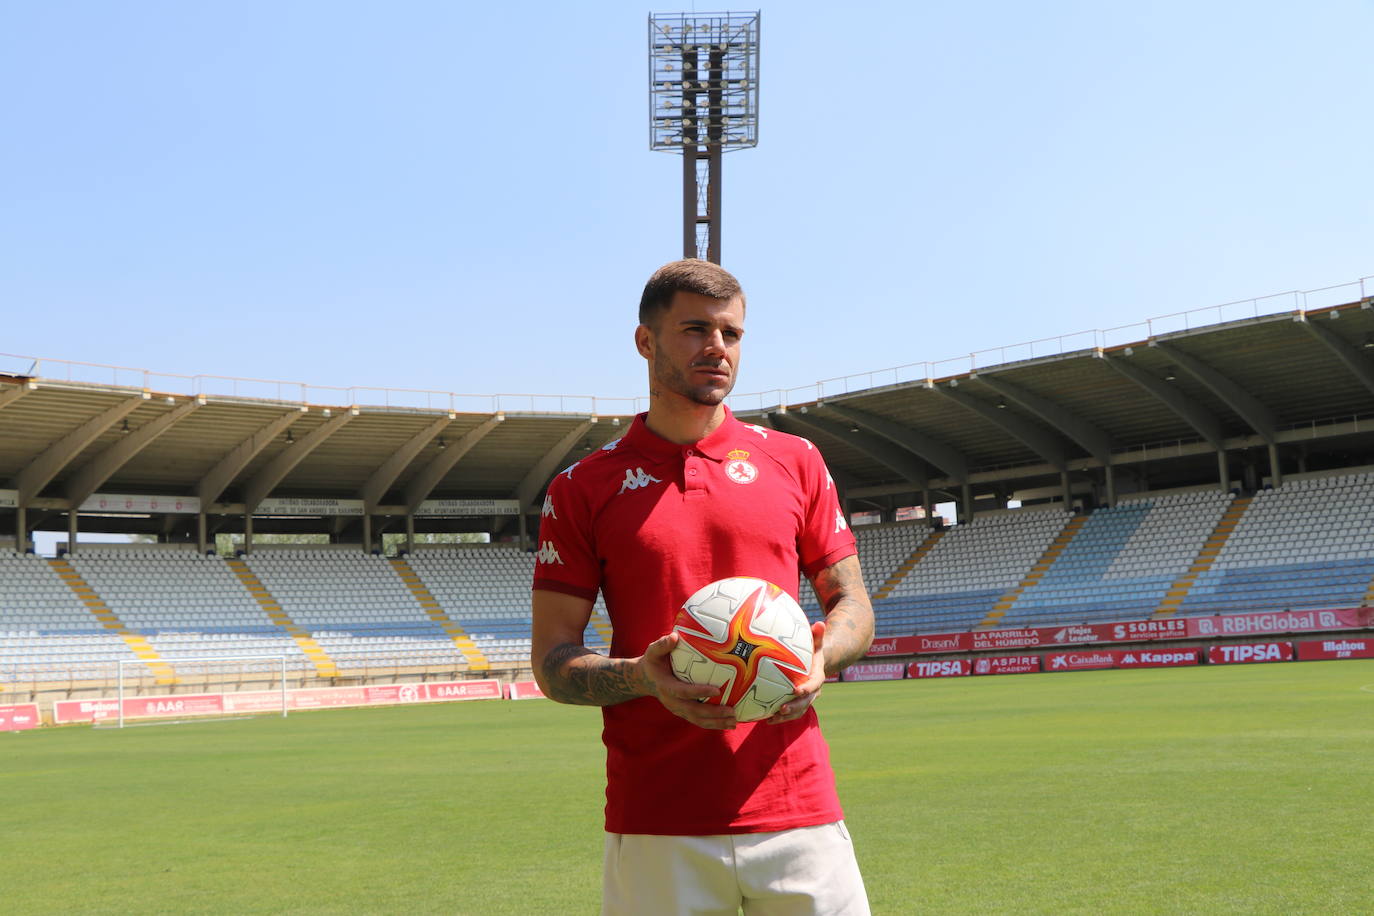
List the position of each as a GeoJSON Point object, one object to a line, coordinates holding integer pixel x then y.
{"type": "Point", "coordinates": [825, 538]}
{"type": "Point", "coordinates": [566, 560]}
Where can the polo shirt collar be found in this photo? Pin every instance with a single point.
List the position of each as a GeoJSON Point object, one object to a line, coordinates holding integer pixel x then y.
{"type": "Point", "coordinates": [715, 446]}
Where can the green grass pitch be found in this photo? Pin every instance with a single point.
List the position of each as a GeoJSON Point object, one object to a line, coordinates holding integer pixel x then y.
{"type": "Point", "coordinates": [1218, 789]}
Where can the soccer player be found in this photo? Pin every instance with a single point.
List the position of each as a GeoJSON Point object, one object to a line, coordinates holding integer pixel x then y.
{"type": "Point", "coordinates": [703, 814]}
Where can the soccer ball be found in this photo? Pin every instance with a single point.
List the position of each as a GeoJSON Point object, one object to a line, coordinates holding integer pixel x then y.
{"type": "Point", "coordinates": [747, 636]}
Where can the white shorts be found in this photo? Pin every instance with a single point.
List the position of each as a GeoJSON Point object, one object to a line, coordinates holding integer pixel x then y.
{"type": "Point", "coordinates": [808, 871]}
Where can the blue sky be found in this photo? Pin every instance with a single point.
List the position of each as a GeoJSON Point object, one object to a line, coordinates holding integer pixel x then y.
{"type": "Point", "coordinates": [437, 195]}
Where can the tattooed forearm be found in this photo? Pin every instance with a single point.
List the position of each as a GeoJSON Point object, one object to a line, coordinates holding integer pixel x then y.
{"type": "Point", "coordinates": [576, 674]}
{"type": "Point", "coordinates": [848, 614]}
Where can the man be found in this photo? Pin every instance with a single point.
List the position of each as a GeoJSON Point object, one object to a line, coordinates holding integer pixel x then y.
{"type": "Point", "coordinates": [703, 814]}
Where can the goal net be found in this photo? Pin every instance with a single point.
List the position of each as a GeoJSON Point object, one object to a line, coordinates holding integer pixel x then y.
{"type": "Point", "coordinates": [202, 687]}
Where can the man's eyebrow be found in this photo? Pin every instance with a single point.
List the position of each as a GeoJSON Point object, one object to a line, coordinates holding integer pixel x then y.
{"type": "Point", "coordinates": [704, 323]}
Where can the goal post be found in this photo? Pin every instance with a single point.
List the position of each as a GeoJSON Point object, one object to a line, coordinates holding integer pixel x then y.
{"type": "Point", "coordinates": [278, 666]}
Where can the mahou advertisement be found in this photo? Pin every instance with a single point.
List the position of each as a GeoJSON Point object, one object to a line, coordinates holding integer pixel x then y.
{"type": "Point", "coordinates": [1332, 649]}
{"type": "Point", "coordinates": [21, 717]}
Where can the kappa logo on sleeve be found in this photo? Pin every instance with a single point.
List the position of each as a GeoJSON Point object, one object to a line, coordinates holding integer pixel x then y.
{"type": "Point", "coordinates": [610, 446]}
{"type": "Point", "coordinates": [567, 471]}
{"type": "Point", "coordinates": [547, 511]}
{"type": "Point", "coordinates": [636, 478]}
{"type": "Point", "coordinates": [758, 429]}
{"type": "Point", "coordinates": [548, 554]}
{"type": "Point", "coordinates": [840, 523]}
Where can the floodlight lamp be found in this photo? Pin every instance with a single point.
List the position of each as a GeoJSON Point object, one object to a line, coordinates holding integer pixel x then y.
{"type": "Point", "coordinates": [1369, 341]}
{"type": "Point", "coordinates": [1001, 403]}
{"type": "Point", "coordinates": [124, 427]}
{"type": "Point", "coordinates": [442, 444]}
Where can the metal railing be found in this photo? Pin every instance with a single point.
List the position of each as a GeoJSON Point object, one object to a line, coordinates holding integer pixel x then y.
{"type": "Point", "coordinates": [381, 398]}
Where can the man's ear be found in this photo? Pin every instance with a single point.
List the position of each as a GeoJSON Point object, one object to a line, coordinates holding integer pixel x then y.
{"type": "Point", "coordinates": [644, 341]}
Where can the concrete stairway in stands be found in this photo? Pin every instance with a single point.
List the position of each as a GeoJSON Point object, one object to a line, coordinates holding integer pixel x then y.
{"type": "Point", "coordinates": [476, 660]}
{"type": "Point", "coordinates": [324, 665]}
{"type": "Point", "coordinates": [1042, 566]}
{"type": "Point", "coordinates": [1205, 558]}
{"type": "Point", "coordinates": [908, 565]}
{"type": "Point", "coordinates": [162, 672]}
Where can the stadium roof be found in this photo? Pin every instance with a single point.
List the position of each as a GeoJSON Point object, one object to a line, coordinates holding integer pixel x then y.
{"type": "Point", "coordinates": [1298, 385]}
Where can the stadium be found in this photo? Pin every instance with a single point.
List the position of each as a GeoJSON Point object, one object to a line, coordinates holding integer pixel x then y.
{"type": "Point", "coordinates": [265, 645]}
{"type": "Point", "coordinates": [1221, 469]}
{"type": "Point", "coordinates": [1183, 499]}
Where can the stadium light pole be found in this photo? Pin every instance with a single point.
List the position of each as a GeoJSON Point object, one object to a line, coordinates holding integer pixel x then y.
{"type": "Point", "coordinates": [703, 102]}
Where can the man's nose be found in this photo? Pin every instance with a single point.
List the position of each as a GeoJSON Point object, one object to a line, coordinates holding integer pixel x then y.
{"type": "Point", "coordinates": [715, 343]}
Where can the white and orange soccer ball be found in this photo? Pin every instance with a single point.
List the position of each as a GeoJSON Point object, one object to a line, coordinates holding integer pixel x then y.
{"type": "Point", "coordinates": [748, 637]}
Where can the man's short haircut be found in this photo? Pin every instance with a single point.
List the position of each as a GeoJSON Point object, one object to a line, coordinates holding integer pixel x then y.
{"type": "Point", "coordinates": [689, 275]}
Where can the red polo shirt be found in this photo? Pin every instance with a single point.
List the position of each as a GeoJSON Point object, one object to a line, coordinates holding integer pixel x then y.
{"type": "Point", "coordinates": [648, 522]}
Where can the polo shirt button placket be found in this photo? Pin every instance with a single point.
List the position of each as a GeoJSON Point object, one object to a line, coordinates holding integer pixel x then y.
{"type": "Point", "coordinates": [692, 475]}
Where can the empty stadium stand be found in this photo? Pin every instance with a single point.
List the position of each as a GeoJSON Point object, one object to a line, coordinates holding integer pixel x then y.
{"type": "Point", "coordinates": [1309, 543]}
{"type": "Point", "coordinates": [185, 605]}
{"type": "Point", "coordinates": [960, 580]}
{"type": "Point", "coordinates": [46, 632]}
{"type": "Point", "coordinates": [356, 608]}
{"type": "Point", "coordinates": [1121, 562]}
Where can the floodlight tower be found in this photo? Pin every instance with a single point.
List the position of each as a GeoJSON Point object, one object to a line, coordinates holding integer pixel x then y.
{"type": "Point", "coordinates": [703, 100]}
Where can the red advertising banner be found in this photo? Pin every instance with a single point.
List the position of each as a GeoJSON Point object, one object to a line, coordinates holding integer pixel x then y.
{"type": "Point", "coordinates": [1141, 630]}
{"type": "Point", "coordinates": [1335, 648]}
{"type": "Point", "coordinates": [1007, 664]}
{"type": "Point", "coordinates": [1281, 622]}
{"type": "Point", "coordinates": [18, 718]}
{"type": "Point", "coordinates": [1005, 639]}
{"type": "Point", "coordinates": [949, 667]}
{"type": "Point", "coordinates": [67, 711]}
{"type": "Point", "coordinates": [924, 644]}
{"type": "Point", "coordinates": [1082, 660]}
{"type": "Point", "coordinates": [1246, 653]}
{"type": "Point", "coordinates": [875, 671]}
{"type": "Point", "coordinates": [1156, 658]}
{"type": "Point", "coordinates": [524, 690]}
{"type": "Point", "coordinates": [893, 645]}
{"type": "Point", "coordinates": [931, 643]}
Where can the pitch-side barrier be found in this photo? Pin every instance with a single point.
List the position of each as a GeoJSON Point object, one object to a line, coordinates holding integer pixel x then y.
{"type": "Point", "coordinates": [1088, 646]}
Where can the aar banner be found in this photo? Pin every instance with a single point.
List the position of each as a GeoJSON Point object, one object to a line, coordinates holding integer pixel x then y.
{"type": "Point", "coordinates": [176, 707]}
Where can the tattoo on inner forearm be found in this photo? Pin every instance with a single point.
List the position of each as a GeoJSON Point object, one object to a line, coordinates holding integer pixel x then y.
{"type": "Point", "coordinates": [849, 615]}
{"type": "Point", "coordinates": [576, 674]}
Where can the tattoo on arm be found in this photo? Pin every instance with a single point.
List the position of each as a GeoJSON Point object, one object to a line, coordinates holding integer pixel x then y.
{"type": "Point", "coordinates": [576, 674]}
{"type": "Point", "coordinates": [848, 613]}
